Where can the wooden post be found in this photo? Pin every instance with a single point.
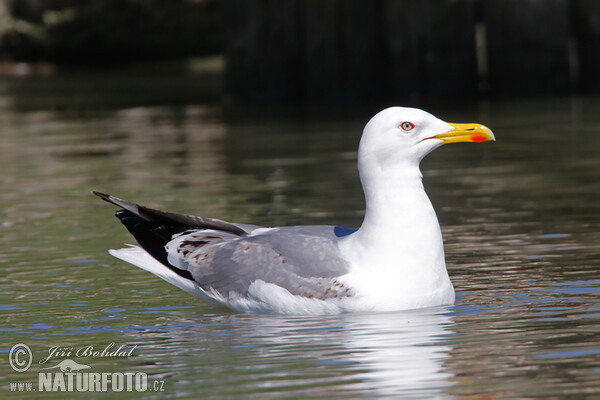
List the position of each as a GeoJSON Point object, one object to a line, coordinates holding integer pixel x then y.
{"type": "Point", "coordinates": [368, 50]}
{"type": "Point", "coordinates": [344, 50]}
{"type": "Point", "coordinates": [586, 30]}
{"type": "Point", "coordinates": [324, 59]}
{"type": "Point", "coordinates": [431, 48]}
{"type": "Point", "coordinates": [264, 49]}
{"type": "Point", "coordinates": [528, 46]}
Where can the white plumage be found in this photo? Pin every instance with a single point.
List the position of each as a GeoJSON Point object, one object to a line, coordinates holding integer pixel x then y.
{"type": "Point", "coordinates": [394, 261]}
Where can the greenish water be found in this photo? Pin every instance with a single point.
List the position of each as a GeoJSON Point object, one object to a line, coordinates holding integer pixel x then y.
{"type": "Point", "coordinates": [521, 219]}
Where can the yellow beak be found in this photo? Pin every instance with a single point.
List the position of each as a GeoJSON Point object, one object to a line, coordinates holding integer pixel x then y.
{"type": "Point", "coordinates": [475, 133]}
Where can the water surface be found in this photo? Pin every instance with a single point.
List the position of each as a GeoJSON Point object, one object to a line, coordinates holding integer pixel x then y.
{"type": "Point", "coordinates": [521, 222]}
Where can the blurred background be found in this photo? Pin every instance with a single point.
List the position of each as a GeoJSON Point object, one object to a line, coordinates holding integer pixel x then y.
{"type": "Point", "coordinates": [251, 111]}
{"type": "Point", "coordinates": [319, 51]}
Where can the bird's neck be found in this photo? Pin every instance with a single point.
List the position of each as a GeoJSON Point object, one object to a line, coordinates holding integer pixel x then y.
{"type": "Point", "coordinates": [400, 228]}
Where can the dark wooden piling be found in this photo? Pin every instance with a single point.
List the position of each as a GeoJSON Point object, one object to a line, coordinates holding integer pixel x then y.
{"type": "Point", "coordinates": [431, 48]}
{"type": "Point", "coordinates": [527, 46]}
{"type": "Point", "coordinates": [586, 45]}
{"type": "Point", "coordinates": [345, 50]}
{"type": "Point", "coordinates": [264, 48]}
{"type": "Point", "coordinates": [404, 50]}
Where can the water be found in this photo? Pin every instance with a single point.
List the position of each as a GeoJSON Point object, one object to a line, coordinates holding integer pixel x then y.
{"type": "Point", "coordinates": [521, 220]}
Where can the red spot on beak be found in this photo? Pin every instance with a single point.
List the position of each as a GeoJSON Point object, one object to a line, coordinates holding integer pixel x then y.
{"type": "Point", "coordinates": [479, 138]}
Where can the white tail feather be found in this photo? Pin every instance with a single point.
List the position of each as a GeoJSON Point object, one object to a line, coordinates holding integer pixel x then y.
{"type": "Point", "coordinates": [140, 258]}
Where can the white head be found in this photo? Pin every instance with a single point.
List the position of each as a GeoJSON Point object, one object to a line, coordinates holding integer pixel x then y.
{"type": "Point", "coordinates": [398, 252]}
{"type": "Point", "coordinates": [398, 138]}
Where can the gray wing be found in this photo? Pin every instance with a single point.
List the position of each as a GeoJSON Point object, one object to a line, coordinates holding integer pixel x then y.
{"type": "Point", "coordinates": [305, 260]}
{"type": "Point", "coordinates": [229, 257]}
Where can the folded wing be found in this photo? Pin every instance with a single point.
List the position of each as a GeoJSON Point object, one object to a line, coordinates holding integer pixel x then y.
{"type": "Point", "coordinates": [228, 258]}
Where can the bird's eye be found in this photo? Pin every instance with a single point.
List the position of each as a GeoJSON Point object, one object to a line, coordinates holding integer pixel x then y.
{"type": "Point", "coordinates": [407, 126]}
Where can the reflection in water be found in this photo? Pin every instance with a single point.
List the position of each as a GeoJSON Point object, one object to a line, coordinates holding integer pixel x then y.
{"type": "Point", "coordinates": [183, 144]}
{"type": "Point", "coordinates": [401, 354]}
{"type": "Point", "coordinates": [520, 219]}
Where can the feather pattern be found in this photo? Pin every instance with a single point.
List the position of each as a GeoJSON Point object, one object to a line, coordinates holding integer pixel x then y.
{"type": "Point", "coordinates": [394, 261]}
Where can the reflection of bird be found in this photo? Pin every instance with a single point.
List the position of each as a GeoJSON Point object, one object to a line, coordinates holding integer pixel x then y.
{"type": "Point", "coordinates": [401, 356]}
{"type": "Point", "coordinates": [394, 261]}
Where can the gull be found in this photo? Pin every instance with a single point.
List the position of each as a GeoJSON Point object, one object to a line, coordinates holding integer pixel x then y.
{"type": "Point", "coordinates": [394, 261]}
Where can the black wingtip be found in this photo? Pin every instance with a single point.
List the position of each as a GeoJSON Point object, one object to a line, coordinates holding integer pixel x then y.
{"type": "Point", "coordinates": [116, 201]}
{"type": "Point", "coordinates": [103, 196]}
{"type": "Point", "coordinates": [152, 237]}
